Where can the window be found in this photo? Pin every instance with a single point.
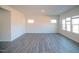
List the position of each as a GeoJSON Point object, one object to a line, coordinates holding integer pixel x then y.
{"type": "Point", "coordinates": [75, 16]}
{"type": "Point", "coordinates": [53, 21]}
{"type": "Point", "coordinates": [71, 24]}
{"type": "Point", "coordinates": [68, 19]}
{"type": "Point", "coordinates": [63, 24]}
{"type": "Point", "coordinates": [75, 25]}
{"type": "Point", "coordinates": [68, 24]}
{"type": "Point", "coordinates": [30, 21]}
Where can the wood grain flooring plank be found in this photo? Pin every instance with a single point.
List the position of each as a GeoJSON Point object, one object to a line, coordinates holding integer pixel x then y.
{"type": "Point", "coordinates": [43, 43]}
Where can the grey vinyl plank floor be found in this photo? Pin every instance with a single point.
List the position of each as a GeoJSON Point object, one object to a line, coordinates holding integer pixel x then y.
{"type": "Point", "coordinates": [43, 43]}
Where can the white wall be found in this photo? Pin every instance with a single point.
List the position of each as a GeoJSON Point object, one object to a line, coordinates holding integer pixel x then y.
{"type": "Point", "coordinates": [5, 34]}
{"type": "Point", "coordinates": [18, 25]}
{"type": "Point", "coordinates": [71, 35]}
{"type": "Point", "coordinates": [17, 22]}
{"type": "Point", "coordinates": [41, 24]}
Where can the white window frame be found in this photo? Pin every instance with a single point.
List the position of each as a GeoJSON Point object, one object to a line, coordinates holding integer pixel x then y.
{"type": "Point", "coordinates": [64, 28]}
{"type": "Point", "coordinates": [71, 25]}
{"type": "Point", "coordinates": [74, 24]}
{"type": "Point", "coordinates": [66, 24]}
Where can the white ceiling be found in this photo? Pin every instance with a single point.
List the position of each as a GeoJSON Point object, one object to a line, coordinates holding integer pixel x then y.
{"type": "Point", "coordinates": [49, 9]}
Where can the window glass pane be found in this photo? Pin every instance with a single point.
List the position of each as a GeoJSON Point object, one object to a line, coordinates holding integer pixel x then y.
{"type": "Point", "coordinates": [53, 21]}
{"type": "Point", "coordinates": [75, 28]}
{"type": "Point", "coordinates": [63, 21]}
{"type": "Point", "coordinates": [68, 19]}
{"type": "Point", "coordinates": [63, 27]}
{"type": "Point", "coordinates": [75, 16]}
{"type": "Point", "coordinates": [75, 21]}
{"type": "Point", "coordinates": [68, 27]}
{"type": "Point", "coordinates": [68, 23]}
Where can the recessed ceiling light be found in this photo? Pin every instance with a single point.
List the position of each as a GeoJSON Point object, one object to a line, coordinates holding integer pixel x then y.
{"type": "Point", "coordinates": [42, 10]}
{"type": "Point", "coordinates": [30, 21]}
